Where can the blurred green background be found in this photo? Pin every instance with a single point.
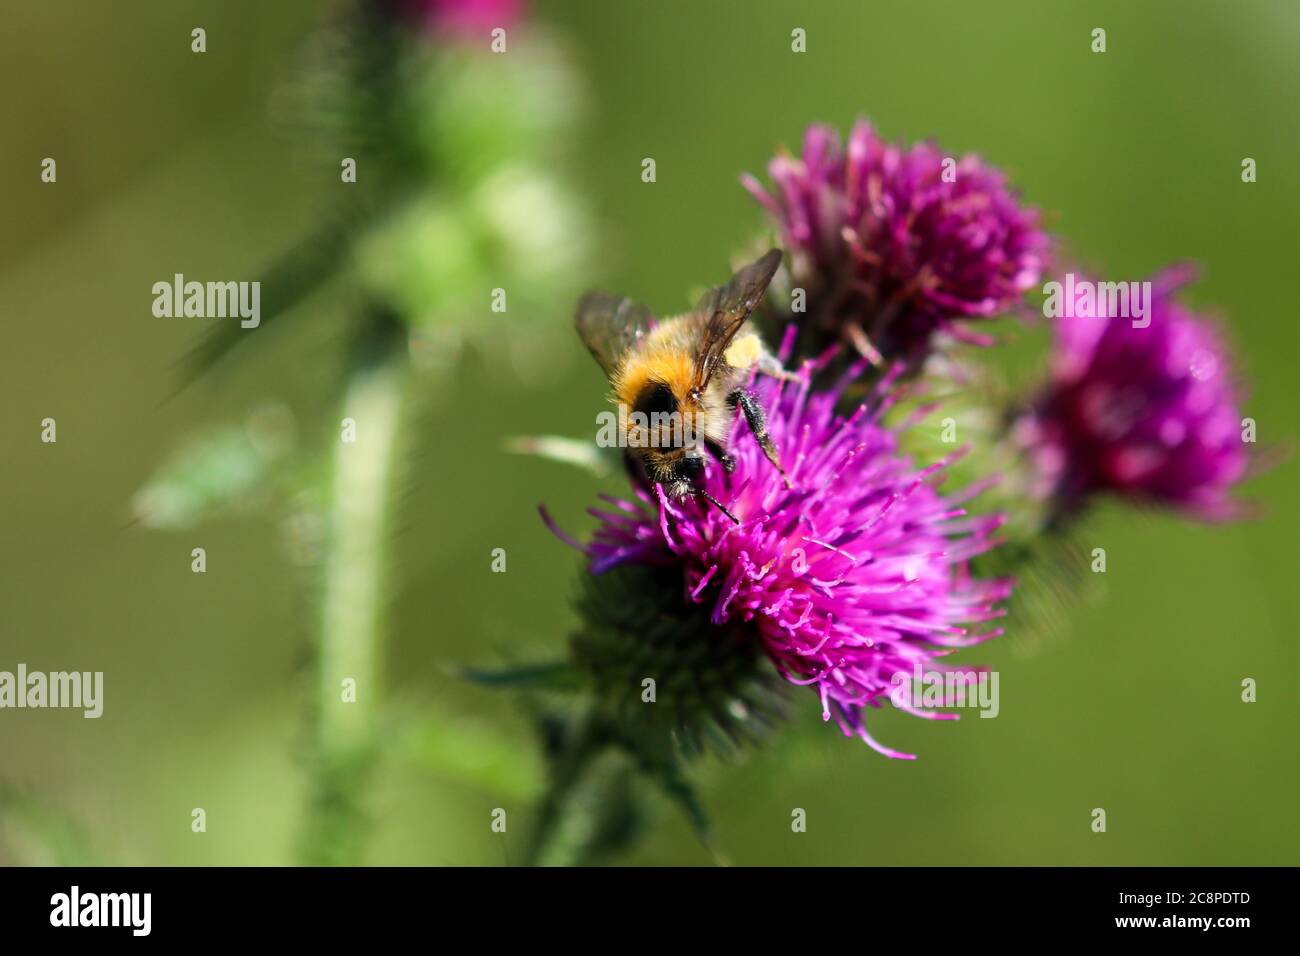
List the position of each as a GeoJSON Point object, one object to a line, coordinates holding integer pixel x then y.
{"type": "Point", "coordinates": [167, 163]}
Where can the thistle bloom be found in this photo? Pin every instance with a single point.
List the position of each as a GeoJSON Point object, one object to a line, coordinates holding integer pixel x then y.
{"type": "Point", "coordinates": [895, 244]}
{"type": "Point", "coordinates": [1148, 411]}
{"type": "Point", "coordinates": [856, 575]}
{"type": "Point", "coordinates": [465, 18]}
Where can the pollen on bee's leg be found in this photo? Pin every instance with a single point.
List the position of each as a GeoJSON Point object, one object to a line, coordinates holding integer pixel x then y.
{"type": "Point", "coordinates": [744, 351]}
{"type": "Point", "coordinates": [770, 366]}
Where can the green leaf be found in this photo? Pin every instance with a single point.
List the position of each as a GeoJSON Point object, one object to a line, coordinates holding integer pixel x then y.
{"type": "Point", "coordinates": [569, 451]}
{"type": "Point", "coordinates": [32, 834]}
{"type": "Point", "coordinates": [468, 751]}
{"type": "Point", "coordinates": [289, 281]}
{"type": "Point", "coordinates": [220, 468]}
{"type": "Point", "coordinates": [556, 675]}
{"type": "Point", "coordinates": [660, 759]}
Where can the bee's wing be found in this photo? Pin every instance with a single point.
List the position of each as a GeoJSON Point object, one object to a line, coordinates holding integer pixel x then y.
{"type": "Point", "coordinates": [610, 325]}
{"type": "Point", "coordinates": [724, 309]}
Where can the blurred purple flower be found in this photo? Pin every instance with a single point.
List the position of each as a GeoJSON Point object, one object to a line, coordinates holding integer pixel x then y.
{"type": "Point", "coordinates": [1147, 412]}
{"type": "Point", "coordinates": [894, 244]}
{"type": "Point", "coordinates": [461, 18]}
{"type": "Point", "coordinates": [854, 576]}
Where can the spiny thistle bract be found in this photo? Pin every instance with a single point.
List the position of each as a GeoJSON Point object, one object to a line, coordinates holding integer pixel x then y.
{"type": "Point", "coordinates": [659, 665]}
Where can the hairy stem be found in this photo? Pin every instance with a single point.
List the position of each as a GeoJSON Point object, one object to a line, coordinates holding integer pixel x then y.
{"type": "Point", "coordinates": [586, 809]}
{"type": "Point", "coordinates": [354, 596]}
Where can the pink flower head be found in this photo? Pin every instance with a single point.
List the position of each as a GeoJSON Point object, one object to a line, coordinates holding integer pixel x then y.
{"type": "Point", "coordinates": [894, 244]}
{"type": "Point", "coordinates": [855, 575]}
{"type": "Point", "coordinates": [461, 18]}
{"type": "Point", "coordinates": [1146, 409]}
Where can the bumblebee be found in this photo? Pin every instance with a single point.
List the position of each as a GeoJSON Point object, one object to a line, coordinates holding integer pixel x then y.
{"type": "Point", "coordinates": [679, 381]}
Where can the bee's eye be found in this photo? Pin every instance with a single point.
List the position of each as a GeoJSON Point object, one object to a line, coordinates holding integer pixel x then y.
{"type": "Point", "coordinates": [657, 399]}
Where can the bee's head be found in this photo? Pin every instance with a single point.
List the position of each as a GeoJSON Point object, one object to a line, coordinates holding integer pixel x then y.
{"type": "Point", "coordinates": [679, 468]}
{"type": "Point", "coordinates": [656, 399]}
{"type": "Point", "coordinates": [662, 429]}
{"type": "Point", "coordinates": [690, 465]}
{"type": "Point", "coordinates": [659, 420]}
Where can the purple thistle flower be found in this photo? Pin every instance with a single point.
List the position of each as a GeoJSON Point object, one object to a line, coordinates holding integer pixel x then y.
{"type": "Point", "coordinates": [1149, 412]}
{"type": "Point", "coordinates": [468, 19]}
{"type": "Point", "coordinates": [856, 575]}
{"type": "Point", "coordinates": [889, 251]}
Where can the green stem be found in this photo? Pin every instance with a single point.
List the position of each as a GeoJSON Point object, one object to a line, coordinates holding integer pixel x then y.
{"type": "Point", "coordinates": [558, 838]}
{"type": "Point", "coordinates": [354, 597]}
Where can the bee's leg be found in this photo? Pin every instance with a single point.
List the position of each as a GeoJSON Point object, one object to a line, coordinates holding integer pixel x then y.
{"type": "Point", "coordinates": [728, 463]}
{"type": "Point", "coordinates": [770, 365]}
{"type": "Point", "coordinates": [684, 489]}
{"type": "Point", "coordinates": [717, 504]}
{"type": "Point", "coordinates": [758, 425]}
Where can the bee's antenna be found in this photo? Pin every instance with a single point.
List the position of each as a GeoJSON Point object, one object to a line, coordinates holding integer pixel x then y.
{"type": "Point", "coordinates": [716, 503]}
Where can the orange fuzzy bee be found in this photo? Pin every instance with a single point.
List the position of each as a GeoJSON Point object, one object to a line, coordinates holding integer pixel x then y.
{"type": "Point", "coordinates": [678, 381]}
